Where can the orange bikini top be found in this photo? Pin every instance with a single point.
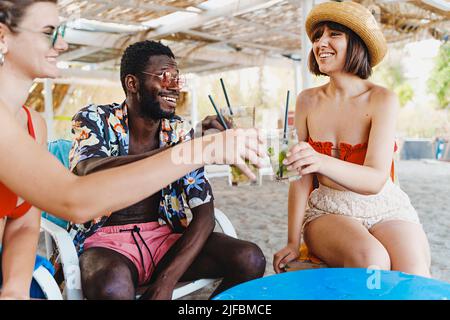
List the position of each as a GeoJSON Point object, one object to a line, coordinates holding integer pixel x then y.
{"type": "Point", "coordinates": [8, 199]}
{"type": "Point", "coordinates": [347, 152]}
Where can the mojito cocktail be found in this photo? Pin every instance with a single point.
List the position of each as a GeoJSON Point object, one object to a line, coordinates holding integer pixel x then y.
{"type": "Point", "coordinates": [278, 145]}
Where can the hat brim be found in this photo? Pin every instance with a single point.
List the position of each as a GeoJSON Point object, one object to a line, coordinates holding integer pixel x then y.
{"type": "Point", "coordinates": [355, 17]}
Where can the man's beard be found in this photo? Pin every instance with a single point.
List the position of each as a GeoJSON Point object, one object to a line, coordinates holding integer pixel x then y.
{"type": "Point", "coordinates": [150, 108]}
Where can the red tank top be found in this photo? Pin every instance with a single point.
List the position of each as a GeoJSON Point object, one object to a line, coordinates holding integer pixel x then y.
{"type": "Point", "coordinates": [8, 199]}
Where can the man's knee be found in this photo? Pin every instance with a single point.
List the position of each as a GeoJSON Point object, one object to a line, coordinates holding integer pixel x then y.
{"type": "Point", "coordinates": [250, 260]}
{"type": "Point", "coordinates": [108, 284]}
{"type": "Point", "coordinates": [114, 291]}
{"type": "Point", "coordinates": [105, 278]}
{"type": "Point", "coordinates": [109, 291]}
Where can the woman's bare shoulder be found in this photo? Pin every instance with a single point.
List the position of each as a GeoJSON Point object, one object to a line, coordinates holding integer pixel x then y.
{"type": "Point", "coordinates": [380, 93]}
{"type": "Point", "coordinates": [310, 97]}
{"type": "Point", "coordinates": [382, 98]}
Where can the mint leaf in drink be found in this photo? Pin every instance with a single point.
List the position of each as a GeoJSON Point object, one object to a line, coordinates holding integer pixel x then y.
{"type": "Point", "coordinates": [282, 156]}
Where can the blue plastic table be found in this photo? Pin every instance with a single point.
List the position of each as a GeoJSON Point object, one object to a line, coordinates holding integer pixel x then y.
{"type": "Point", "coordinates": [339, 284]}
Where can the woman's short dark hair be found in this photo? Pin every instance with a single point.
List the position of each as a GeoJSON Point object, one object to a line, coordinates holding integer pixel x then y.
{"type": "Point", "coordinates": [12, 12]}
{"type": "Point", "coordinates": [357, 59]}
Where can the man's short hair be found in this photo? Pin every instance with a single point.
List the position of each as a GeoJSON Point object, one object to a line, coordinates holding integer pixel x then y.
{"type": "Point", "coordinates": [357, 60]}
{"type": "Point", "coordinates": [136, 56]}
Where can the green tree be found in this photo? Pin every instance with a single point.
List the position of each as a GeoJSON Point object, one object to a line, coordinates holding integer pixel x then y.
{"type": "Point", "coordinates": [391, 75]}
{"type": "Point", "coordinates": [439, 81]}
{"type": "Point", "coordinates": [404, 92]}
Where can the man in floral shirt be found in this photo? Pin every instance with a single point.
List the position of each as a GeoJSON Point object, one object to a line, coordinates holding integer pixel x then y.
{"type": "Point", "coordinates": [151, 241]}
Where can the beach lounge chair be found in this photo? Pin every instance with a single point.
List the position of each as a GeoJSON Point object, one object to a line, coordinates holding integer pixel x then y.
{"type": "Point", "coordinates": [61, 250]}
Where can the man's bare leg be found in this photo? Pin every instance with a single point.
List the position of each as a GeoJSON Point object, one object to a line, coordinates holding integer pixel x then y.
{"type": "Point", "coordinates": [107, 275]}
{"type": "Point", "coordinates": [222, 256]}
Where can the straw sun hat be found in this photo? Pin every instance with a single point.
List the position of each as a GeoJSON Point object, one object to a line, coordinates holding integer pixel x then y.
{"type": "Point", "coordinates": [355, 17]}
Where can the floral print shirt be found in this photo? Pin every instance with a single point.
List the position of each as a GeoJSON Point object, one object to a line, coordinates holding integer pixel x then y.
{"type": "Point", "coordinates": [102, 131]}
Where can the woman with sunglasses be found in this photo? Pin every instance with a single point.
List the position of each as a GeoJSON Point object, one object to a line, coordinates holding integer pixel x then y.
{"type": "Point", "coordinates": [31, 178]}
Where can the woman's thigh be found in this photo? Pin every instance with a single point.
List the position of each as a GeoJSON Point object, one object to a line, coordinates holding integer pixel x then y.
{"type": "Point", "coordinates": [342, 241]}
{"type": "Point", "coordinates": [406, 244]}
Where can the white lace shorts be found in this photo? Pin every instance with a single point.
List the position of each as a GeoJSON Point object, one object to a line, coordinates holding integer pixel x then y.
{"type": "Point", "coordinates": [391, 203]}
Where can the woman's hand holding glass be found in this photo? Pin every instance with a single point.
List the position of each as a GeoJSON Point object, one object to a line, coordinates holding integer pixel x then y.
{"type": "Point", "coordinates": [304, 159]}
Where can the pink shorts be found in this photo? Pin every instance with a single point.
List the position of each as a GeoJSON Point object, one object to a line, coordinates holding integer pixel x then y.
{"type": "Point", "coordinates": [158, 239]}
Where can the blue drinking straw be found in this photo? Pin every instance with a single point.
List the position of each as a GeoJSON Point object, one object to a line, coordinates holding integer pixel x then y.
{"type": "Point", "coordinates": [218, 113]}
{"type": "Point", "coordinates": [226, 96]}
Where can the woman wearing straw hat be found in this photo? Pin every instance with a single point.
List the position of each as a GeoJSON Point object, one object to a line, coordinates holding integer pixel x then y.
{"type": "Point", "coordinates": [29, 46]}
{"type": "Point", "coordinates": [357, 217]}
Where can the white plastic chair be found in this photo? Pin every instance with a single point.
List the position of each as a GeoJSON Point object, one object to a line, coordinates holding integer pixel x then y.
{"type": "Point", "coordinates": [47, 283]}
{"type": "Point", "coordinates": [71, 270]}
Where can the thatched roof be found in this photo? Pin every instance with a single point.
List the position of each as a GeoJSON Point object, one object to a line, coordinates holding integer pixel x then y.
{"type": "Point", "coordinates": [127, 12]}
{"type": "Point", "coordinates": [248, 32]}
{"type": "Point", "coordinates": [36, 98]}
{"type": "Point", "coordinates": [413, 20]}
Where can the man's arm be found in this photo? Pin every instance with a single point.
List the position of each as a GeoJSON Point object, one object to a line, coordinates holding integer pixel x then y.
{"type": "Point", "coordinates": [209, 124]}
{"type": "Point", "coordinates": [94, 164]}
